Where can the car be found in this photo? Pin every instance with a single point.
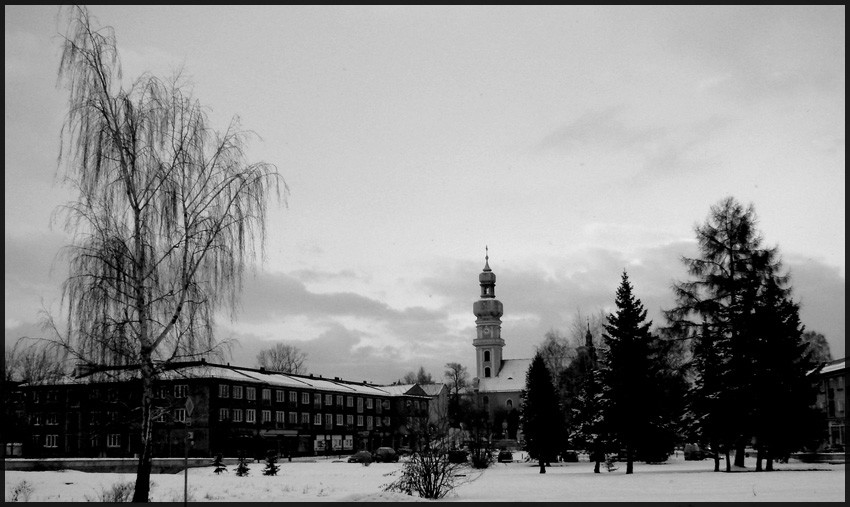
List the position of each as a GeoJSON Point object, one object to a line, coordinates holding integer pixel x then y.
{"type": "Point", "coordinates": [385, 455]}
{"type": "Point", "coordinates": [569, 456]}
{"type": "Point", "coordinates": [505, 456]}
{"type": "Point", "coordinates": [458, 456]}
{"type": "Point", "coordinates": [360, 457]}
{"type": "Point", "coordinates": [693, 452]}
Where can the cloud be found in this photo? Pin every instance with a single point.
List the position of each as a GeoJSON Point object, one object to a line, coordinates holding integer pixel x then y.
{"type": "Point", "coordinates": [599, 129]}
{"type": "Point", "coordinates": [820, 290]}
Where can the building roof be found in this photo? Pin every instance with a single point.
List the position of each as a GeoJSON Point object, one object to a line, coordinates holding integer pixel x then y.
{"type": "Point", "coordinates": [201, 369]}
{"type": "Point", "coordinates": [831, 367]}
{"type": "Point", "coordinates": [511, 377]}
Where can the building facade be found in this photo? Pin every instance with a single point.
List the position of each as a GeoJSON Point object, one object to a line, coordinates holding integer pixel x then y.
{"type": "Point", "coordinates": [831, 379]}
{"type": "Point", "coordinates": [213, 409]}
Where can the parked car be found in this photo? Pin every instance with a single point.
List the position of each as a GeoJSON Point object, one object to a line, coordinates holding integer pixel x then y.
{"type": "Point", "coordinates": [693, 452]}
{"type": "Point", "coordinates": [385, 455]}
{"type": "Point", "coordinates": [505, 456]}
{"type": "Point", "coordinates": [569, 456]}
{"type": "Point", "coordinates": [360, 457]}
{"type": "Point", "coordinates": [404, 451]}
{"type": "Point", "coordinates": [458, 456]}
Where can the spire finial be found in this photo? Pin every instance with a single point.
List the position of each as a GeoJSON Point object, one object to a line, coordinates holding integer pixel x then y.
{"type": "Point", "coordinates": [486, 258]}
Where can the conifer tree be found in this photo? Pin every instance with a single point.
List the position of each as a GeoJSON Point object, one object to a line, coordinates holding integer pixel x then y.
{"type": "Point", "coordinates": [271, 465]}
{"type": "Point", "coordinates": [219, 465]}
{"type": "Point", "coordinates": [541, 417]}
{"type": "Point", "coordinates": [628, 373]}
{"type": "Point", "coordinates": [242, 469]}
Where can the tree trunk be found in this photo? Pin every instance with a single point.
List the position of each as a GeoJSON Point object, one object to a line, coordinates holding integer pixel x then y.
{"type": "Point", "coordinates": [143, 472]}
{"type": "Point", "coordinates": [769, 465]}
{"type": "Point", "coordinates": [728, 462]}
{"type": "Point", "coordinates": [715, 450]}
{"type": "Point", "coordinates": [759, 457]}
{"type": "Point", "coordinates": [739, 453]}
{"type": "Point", "coordinates": [629, 460]}
{"type": "Point", "coordinates": [542, 465]}
{"type": "Point", "coordinates": [596, 456]}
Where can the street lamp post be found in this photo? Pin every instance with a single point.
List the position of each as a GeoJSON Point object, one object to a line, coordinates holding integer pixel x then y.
{"type": "Point", "coordinates": [190, 406]}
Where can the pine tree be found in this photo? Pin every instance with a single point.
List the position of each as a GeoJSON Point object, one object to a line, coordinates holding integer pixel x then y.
{"type": "Point", "coordinates": [628, 373]}
{"type": "Point", "coordinates": [242, 469]}
{"type": "Point", "coordinates": [716, 309]}
{"type": "Point", "coordinates": [271, 465]}
{"type": "Point", "coordinates": [584, 384]}
{"type": "Point", "coordinates": [219, 465]}
{"type": "Point", "coordinates": [541, 416]}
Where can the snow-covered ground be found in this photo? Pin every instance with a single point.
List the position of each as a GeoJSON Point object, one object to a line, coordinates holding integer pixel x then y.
{"type": "Point", "coordinates": [336, 480]}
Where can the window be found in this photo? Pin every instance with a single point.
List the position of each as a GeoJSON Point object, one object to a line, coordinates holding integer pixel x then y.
{"type": "Point", "coordinates": [317, 400]}
{"type": "Point", "coordinates": [237, 392]}
{"type": "Point", "coordinates": [378, 406]}
{"type": "Point", "coordinates": [51, 440]}
{"type": "Point", "coordinates": [250, 415]}
{"type": "Point", "coordinates": [237, 415]}
{"type": "Point", "coordinates": [487, 372]}
{"type": "Point", "coordinates": [486, 402]}
{"type": "Point", "coordinates": [369, 422]}
{"type": "Point", "coordinates": [293, 397]}
{"type": "Point", "coordinates": [329, 399]}
{"type": "Point", "coordinates": [250, 393]}
{"type": "Point", "coordinates": [113, 440]}
{"type": "Point", "coordinates": [223, 391]}
{"type": "Point", "coordinates": [349, 420]}
{"type": "Point", "coordinates": [349, 401]}
{"type": "Point", "coordinates": [162, 392]}
{"type": "Point", "coordinates": [339, 420]}
{"type": "Point", "coordinates": [509, 403]}
{"type": "Point", "coordinates": [369, 403]}
{"type": "Point", "coordinates": [181, 391]}
{"type": "Point", "coordinates": [329, 420]}
{"type": "Point", "coordinates": [359, 420]}
{"type": "Point", "coordinates": [267, 416]}
{"type": "Point", "coordinates": [293, 418]}
{"type": "Point", "coordinates": [377, 422]}
{"type": "Point", "coordinates": [223, 414]}
{"type": "Point", "coordinates": [359, 404]}
{"type": "Point", "coordinates": [305, 398]}
{"type": "Point", "coordinates": [36, 420]}
{"type": "Point", "coordinates": [487, 355]}
{"type": "Point", "coordinates": [339, 400]}
{"type": "Point", "coordinates": [160, 417]}
{"type": "Point", "coordinates": [180, 415]}
{"type": "Point", "coordinates": [280, 396]}
{"type": "Point", "coordinates": [280, 416]}
{"type": "Point", "coordinates": [305, 418]}
{"type": "Point", "coordinates": [267, 395]}
{"type": "Point", "coordinates": [317, 419]}
{"type": "Point", "coordinates": [35, 397]}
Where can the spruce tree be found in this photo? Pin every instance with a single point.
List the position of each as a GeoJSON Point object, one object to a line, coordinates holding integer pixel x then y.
{"type": "Point", "coordinates": [715, 309]}
{"type": "Point", "coordinates": [271, 465]}
{"type": "Point", "coordinates": [541, 415]}
{"type": "Point", "coordinates": [242, 469]}
{"type": "Point", "coordinates": [628, 373]}
{"type": "Point", "coordinates": [219, 465]}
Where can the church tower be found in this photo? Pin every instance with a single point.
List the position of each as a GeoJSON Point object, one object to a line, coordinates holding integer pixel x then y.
{"type": "Point", "coordinates": [488, 312]}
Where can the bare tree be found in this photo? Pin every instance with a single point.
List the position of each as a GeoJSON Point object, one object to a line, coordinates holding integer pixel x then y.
{"type": "Point", "coordinates": [168, 215]}
{"type": "Point", "coordinates": [457, 378]}
{"type": "Point", "coordinates": [582, 322]}
{"type": "Point", "coordinates": [429, 472]}
{"type": "Point", "coordinates": [418, 377]}
{"type": "Point", "coordinates": [283, 357]}
{"type": "Point", "coordinates": [33, 361]}
{"type": "Point", "coordinates": [557, 352]}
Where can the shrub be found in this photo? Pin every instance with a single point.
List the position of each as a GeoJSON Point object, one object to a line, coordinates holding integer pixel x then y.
{"type": "Point", "coordinates": [21, 492]}
{"type": "Point", "coordinates": [118, 492]}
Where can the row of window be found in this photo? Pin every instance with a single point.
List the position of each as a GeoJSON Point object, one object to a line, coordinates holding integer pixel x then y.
{"type": "Point", "coordinates": [281, 418]}
{"type": "Point", "coordinates": [52, 441]}
{"type": "Point", "coordinates": [317, 399]}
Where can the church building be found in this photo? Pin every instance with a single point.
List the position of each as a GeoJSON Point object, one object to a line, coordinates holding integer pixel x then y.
{"type": "Point", "coordinates": [498, 382]}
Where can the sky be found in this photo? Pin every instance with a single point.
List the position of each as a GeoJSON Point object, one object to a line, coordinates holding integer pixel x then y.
{"type": "Point", "coordinates": [573, 142]}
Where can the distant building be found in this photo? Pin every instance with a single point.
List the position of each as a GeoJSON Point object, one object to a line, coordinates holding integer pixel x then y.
{"type": "Point", "coordinates": [228, 410]}
{"type": "Point", "coordinates": [831, 379]}
{"type": "Point", "coordinates": [499, 382]}
{"type": "Point", "coordinates": [437, 394]}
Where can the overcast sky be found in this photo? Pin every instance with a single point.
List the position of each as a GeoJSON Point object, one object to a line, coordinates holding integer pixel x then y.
{"type": "Point", "coordinates": [574, 141]}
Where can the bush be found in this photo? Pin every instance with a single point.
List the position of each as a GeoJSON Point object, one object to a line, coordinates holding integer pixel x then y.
{"type": "Point", "coordinates": [118, 492]}
{"type": "Point", "coordinates": [21, 492]}
{"type": "Point", "coordinates": [429, 472]}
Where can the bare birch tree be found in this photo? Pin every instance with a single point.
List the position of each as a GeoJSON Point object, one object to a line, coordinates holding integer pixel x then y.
{"type": "Point", "coordinates": [283, 357]}
{"type": "Point", "coordinates": [168, 214]}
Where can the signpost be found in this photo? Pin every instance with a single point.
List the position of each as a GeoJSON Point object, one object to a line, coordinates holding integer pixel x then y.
{"type": "Point", "coordinates": [190, 407]}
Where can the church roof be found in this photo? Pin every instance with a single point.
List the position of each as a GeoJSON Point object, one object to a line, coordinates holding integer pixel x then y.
{"type": "Point", "coordinates": [511, 377]}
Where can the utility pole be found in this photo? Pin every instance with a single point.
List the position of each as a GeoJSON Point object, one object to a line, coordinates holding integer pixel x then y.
{"type": "Point", "coordinates": [190, 406]}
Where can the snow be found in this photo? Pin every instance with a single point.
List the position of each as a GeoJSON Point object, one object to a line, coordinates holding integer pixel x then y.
{"type": "Point", "coordinates": [336, 480]}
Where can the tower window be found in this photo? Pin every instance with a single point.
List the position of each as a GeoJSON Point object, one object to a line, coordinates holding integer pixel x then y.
{"type": "Point", "coordinates": [486, 355]}
{"type": "Point", "coordinates": [510, 403]}
{"type": "Point", "coordinates": [487, 372]}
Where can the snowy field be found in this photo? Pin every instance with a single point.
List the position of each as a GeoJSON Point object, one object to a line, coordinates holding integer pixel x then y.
{"type": "Point", "coordinates": [335, 480]}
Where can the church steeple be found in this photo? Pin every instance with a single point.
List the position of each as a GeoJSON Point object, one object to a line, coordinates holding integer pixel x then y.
{"type": "Point", "coordinates": [488, 312]}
